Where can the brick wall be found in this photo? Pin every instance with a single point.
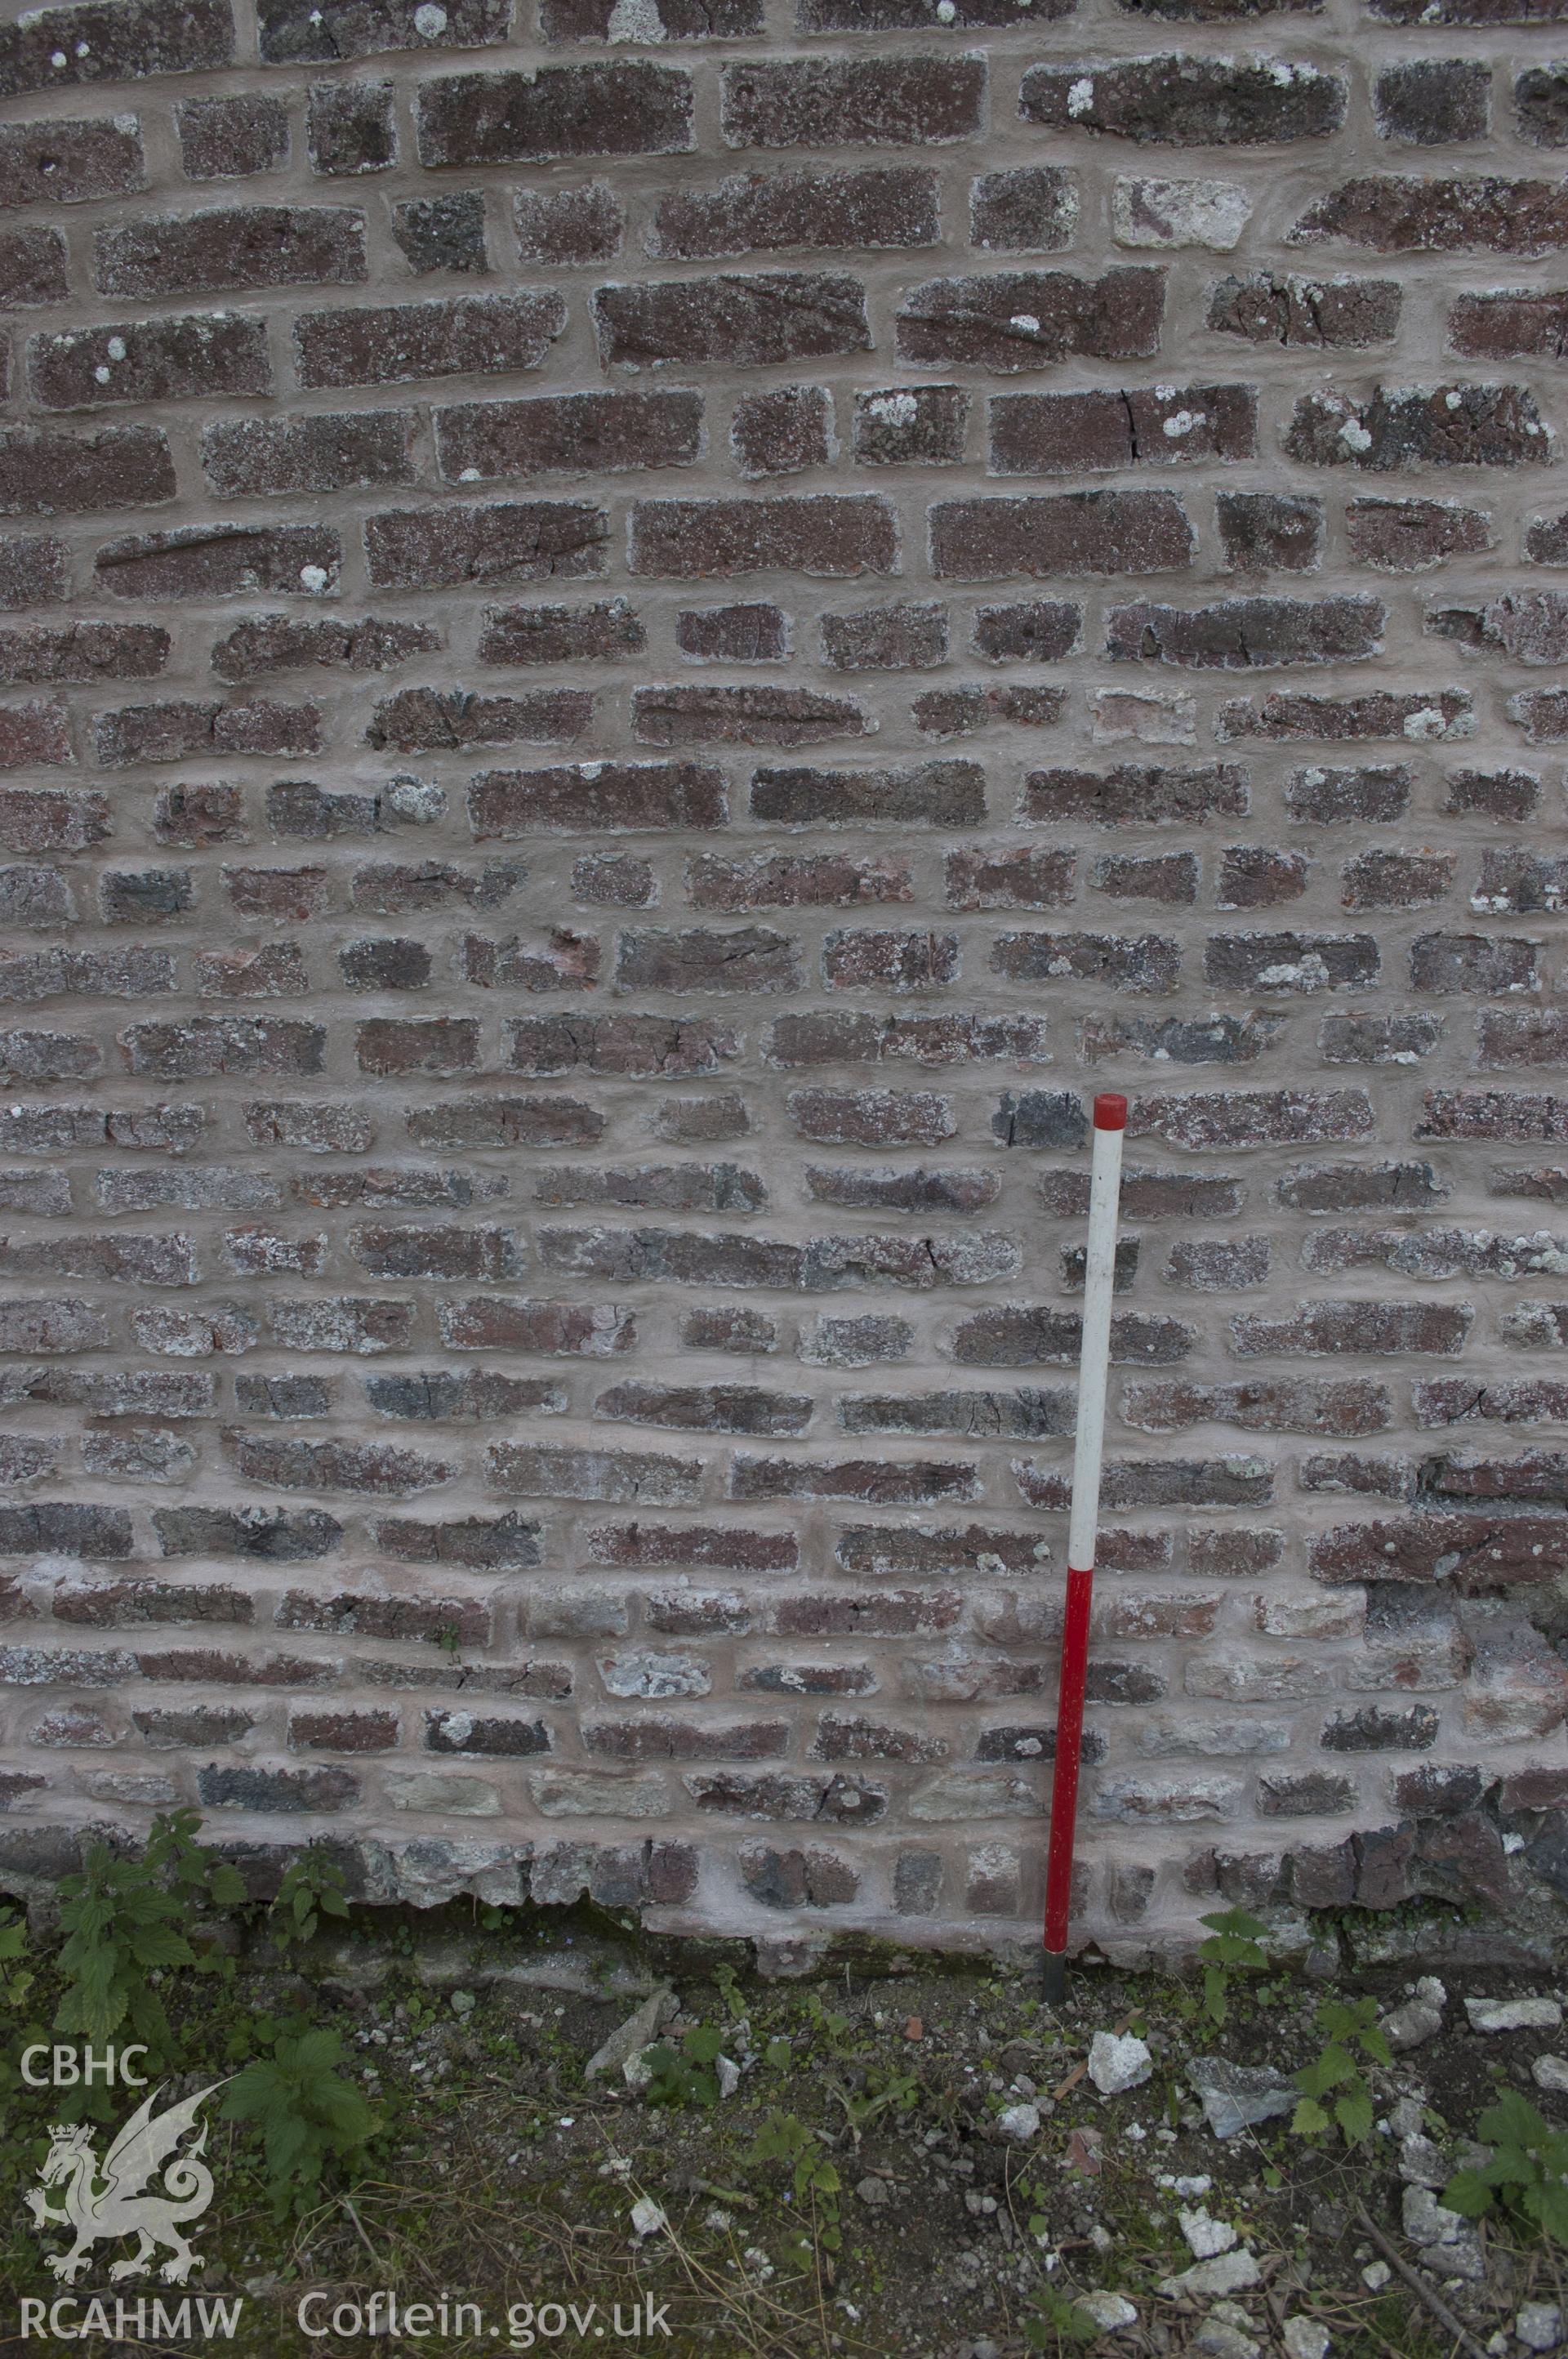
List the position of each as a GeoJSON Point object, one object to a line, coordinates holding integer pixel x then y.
{"type": "Point", "coordinates": [640, 644]}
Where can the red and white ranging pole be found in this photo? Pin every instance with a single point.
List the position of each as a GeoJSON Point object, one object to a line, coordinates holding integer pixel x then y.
{"type": "Point", "coordinates": [1089, 1448]}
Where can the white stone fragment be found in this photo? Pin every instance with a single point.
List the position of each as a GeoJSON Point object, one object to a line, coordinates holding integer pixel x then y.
{"type": "Point", "coordinates": [1205, 2235]}
{"type": "Point", "coordinates": [1111, 2311]}
{"type": "Point", "coordinates": [1540, 2325]}
{"type": "Point", "coordinates": [1115, 2064]}
{"type": "Point", "coordinates": [1020, 2123]}
{"type": "Point", "coordinates": [1513, 2014]}
{"type": "Point", "coordinates": [1229, 2273]}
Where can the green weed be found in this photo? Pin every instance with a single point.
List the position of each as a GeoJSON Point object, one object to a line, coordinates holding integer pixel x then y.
{"type": "Point", "coordinates": [1528, 2174]}
{"type": "Point", "coordinates": [1348, 2026]}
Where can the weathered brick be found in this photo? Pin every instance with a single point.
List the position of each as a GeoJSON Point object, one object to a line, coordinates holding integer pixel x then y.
{"type": "Point", "coordinates": [1427, 102]}
{"type": "Point", "coordinates": [71, 162]}
{"type": "Point", "coordinates": [242, 246]}
{"type": "Point", "coordinates": [935, 794]}
{"type": "Point", "coordinates": [740, 633]}
{"type": "Point", "coordinates": [32, 269]}
{"type": "Point", "coordinates": [749, 959]}
{"type": "Point", "coordinates": [252, 456]}
{"type": "Point", "coordinates": [168, 732]}
{"type": "Point", "coordinates": [1262, 532]}
{"type": "Point", "coordinates": [296, 30]}
{"type": "Point", "coordinates": [421, 720]}
{"type": "Point", "coordinates": [1474, 962]}
{"type": "Point", "coordinates": [229, 138]}
{"type": "Point", "coordinates": [1034, 209]}
{"type": "Point", "coordinates": [1244, 634]}
{"type": "Point", "coordinates": [743, 716]}
{"type": "Point", "coordinates": [1438, 716]}
{"type": "Point", "coordinates": [614, 109]}
{"type": "Point", "coordinates": [1033, 319]}
{"type": "Point", "coordinates": [872, 102]}
{"type": "Point", "coordinates": [1062, 433]}
{"type": "Point", "coordinates": [157, 361]}
{"type": "Point", "coordinates": [1254, 1118]}
{"type": "Point", "coordinates": [1321, 1328]}
{"type": "Point", "coordinates": [1448, 426]}
{"type": "Point", "coordinates": [745, 322]}
{"type": "Point", "coordinates": [462, 335]}
{"type": "Point", "coordinates": [1409, 536]}
{"type": "Point", "coordinates": [885, 206]}
{"type": "Point", "coordinates": [426, 549]}
{"type": "Point", "coordinates": [832, 534]}
{"type": "Point", "coordinates": [508, 804]}
{"type": "Point", "coordinates": [782, 432]}
{"type": "Point", "coordinates": [281, 643]}
{"type": "Point", "coordinates": [1333, 314]}
{"type": "Point", "coordinates": [1398, 215]}
{"type": "Point", "coordinates": [228, 561]}
{"type": "Point", "coordinates": [47, 471]}
{"type": "Point", "coordinates": [1072, 533]}
{"type": "Point", "coordinates": [490, 1164]}
{"type": "Point", "coordinates": [1162, 216]}
{"type": "Point", "coordinates": [1187, 102]}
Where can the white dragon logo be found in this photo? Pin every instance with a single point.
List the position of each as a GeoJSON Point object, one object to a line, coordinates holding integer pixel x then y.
{"type": "Point", "coordinates": [106, 2202]}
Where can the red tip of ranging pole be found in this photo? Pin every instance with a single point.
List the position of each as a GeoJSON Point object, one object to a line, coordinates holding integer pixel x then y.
{"type": "Point", "coordinates": [1110, 1111]}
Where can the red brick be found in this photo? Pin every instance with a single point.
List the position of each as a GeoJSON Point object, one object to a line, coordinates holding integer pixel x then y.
{"type": "Point", "coordinates": [293, 31]}
{"type": "Point", "coordinates": [1065, 433]}
{"type": "Point", "coordinates": [567, 434]}
{"type": "Point", "coordinates": [422, 720]}
{"type": "Point", "coordinates": [1033, 319]}
{"type": "Point", "coordinates": [823, 103]}
{"type": "Point", "coordinates": [70, 163]}
{"type": "Point", "coordinates": [229, 138]}
{"type": "Point", "coordinates": [743, 716]}
{"type": "Point", "coordinates": [463, 335]}
{"type": "Point", "coordinates": [1434, 716]}
{"type": "Point", "coordinates": [563, 226]}
{"type": "Point", "coordinates": [242, 246]}
{"type": "Point", "coordinates": [33, 735]}
{"type": "Point", "coordinates": [745, 322]}
{"type": "Point", "coordinates": [46, 470]}
{"type": "Point", "coordinates": [615, 109]}
{"type": "Point", "coordinates": [837, 535]}
{"type": "Point", "coordinates": [882, 206]}
{"type": "Point", "coordinates": [350, 127]}
{"type": "Point", "coordinates": [32, 269]}
{"type": "Point", "coordinates": [441, 548]}
{"type": "Point", "coordinates": [51, 49]}
{"type": "Point", "coordinates": [1337, 313]}
{"type": "Point", "coordinates": [221, 562]}
{"type": "Point", "coordinates": [157, 360]}
{"type": "Point", "coordinates": [1446, 425]}
{"type": "Point", "coordinates": [1398, 215]}
{"type": "Point", "coordinates": [251, 456]}
{"type": "Point", "coordinates": [1187, 102]}
{"type": "Point", "coordinates": [1073, 533]}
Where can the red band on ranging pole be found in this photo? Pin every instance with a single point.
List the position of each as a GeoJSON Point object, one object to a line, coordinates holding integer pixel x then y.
{"type": "Point", "coordinates": [1094, 1358]}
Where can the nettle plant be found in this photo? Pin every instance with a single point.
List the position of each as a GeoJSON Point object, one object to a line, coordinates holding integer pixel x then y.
{"type": "Point", "coordinates": [1528, 2174]}
{"type": "Point", "coordinates": [134, 1927]}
